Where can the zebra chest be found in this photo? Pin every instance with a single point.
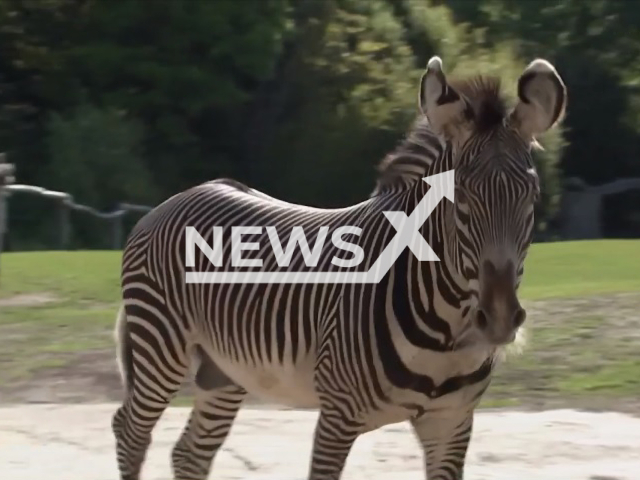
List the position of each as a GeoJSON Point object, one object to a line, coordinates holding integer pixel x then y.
{"type": "Point", "coordinates": [407, 404]}
{"type": "Point", "coordinates": [436, 380]}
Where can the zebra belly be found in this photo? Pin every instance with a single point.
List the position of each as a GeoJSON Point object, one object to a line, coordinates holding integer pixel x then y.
{"type": "Point", "coordinates": [284, 383]}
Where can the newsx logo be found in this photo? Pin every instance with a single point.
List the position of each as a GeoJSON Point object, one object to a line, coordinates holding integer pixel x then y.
{"type": "Point", "coordinates": [407, 235]}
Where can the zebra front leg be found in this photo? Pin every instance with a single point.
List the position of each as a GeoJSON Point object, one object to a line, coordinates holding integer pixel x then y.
{"type": "Point", "coordinates": [209, 423]}
{"type": "Point", "coordinates": [444, 438]}
{"type": "Point", "coordinates": [334, 436]}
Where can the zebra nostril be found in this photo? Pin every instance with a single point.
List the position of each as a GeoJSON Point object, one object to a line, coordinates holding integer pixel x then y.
{"type": "Point", "coordinates": [482, 321]}
{"type": "Point", "coordinates": [519, 317]}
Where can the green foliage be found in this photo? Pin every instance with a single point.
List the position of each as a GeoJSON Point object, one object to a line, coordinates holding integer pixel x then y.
{"type": "Point", "coordinates": [186, 69]}
{"type": "Point", "coordinates": [300, 98]}
{"type": "Point", "coordinates": [351, 93]}
{"type": "Point", "coordinates": [354, 92]}
{"type": "Point", "coordinates": [95, 156]}
{"type": "Point", "coordinates": [595, 46]}
{"type": "Point", "coordinates": [31, 34]}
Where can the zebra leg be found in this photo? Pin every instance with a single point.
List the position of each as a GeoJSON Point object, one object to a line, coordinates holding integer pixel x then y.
{"type": "Point", "coordinates": [211, 419]}
{"type": "Point", "coordinates": [444, 438]}
{"type": "Point", "coordinates": [335, 433]}
{"type": "Point", "coordinates": [151, 381]}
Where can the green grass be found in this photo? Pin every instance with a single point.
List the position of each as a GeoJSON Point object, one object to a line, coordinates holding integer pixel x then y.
{"type": "Point", "coordinates": [581, 358]}
{"type": "Point", "coordinates": [580, 350]}
{"type": "Point", "coordinates": [82, 289]}
{"type": "Point", "coordinates": [84, 277]}
{"type": "Point", "coordinates": [621, 377]}
{"type": "Point", "coordinates": [553, 270]}
{"type": "Point", "coordinates": [581, 268]}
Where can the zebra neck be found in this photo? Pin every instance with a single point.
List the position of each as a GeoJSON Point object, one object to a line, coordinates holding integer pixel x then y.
{"type": "Point", "coordinates": [423, 301]}
{"type": "Point", "coordinates": [430, 299]}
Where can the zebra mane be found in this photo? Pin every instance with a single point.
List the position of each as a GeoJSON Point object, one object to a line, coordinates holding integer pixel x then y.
{"type": "Point", "coordinates": [488, 107]}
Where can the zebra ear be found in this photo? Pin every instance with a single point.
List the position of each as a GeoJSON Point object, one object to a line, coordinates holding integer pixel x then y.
{"type": "Point", "coordinates": [443, 106]}
{"type": "Point", "coordinates": [542, 100]}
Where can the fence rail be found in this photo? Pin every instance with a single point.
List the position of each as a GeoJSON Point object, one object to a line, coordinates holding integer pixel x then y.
{"type": "Point", "coordinates": [65, 205]}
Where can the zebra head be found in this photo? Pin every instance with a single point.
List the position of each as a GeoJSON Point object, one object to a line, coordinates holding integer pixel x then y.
{"type": "Point", "coordinates": [490, 225]}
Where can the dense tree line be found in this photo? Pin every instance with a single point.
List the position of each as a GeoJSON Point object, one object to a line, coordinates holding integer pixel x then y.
{"type": "Point", "coordinates": [135, 100]}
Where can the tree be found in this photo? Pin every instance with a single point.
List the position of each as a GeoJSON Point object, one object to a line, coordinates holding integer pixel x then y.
{"type": "Point", "coordinates": [349, 93]}
{"type": "Point", "coordinates": [594, 46]}
{"type": "Point", "coordinates": [186, 69]}
{"type": "Point", "coordinates": [32, 33]}
{"type": "Point", "coordinates": [95, 155]}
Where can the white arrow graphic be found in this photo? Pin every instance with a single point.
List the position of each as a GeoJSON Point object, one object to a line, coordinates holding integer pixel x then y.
{"type": "Point", "coordinates": [408, 235]}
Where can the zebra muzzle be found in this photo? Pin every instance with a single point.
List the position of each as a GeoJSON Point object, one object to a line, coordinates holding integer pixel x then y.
{"type": "Point", "coordinates": [499, 314]}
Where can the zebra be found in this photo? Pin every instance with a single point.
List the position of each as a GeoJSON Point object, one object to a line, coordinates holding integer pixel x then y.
{"type": "Point", "coordinates": [419, 346]}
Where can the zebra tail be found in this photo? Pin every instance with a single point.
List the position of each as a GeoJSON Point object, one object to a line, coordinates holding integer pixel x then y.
{"type": "Point", "coordinates": [124, 355]}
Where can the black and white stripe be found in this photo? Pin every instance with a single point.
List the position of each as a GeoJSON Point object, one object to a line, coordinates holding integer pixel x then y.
{"type": "Point", "coordinates": [365, 355]}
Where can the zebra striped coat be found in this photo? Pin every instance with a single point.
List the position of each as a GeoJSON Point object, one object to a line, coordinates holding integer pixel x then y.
{"type": "Point", "coordinates": [419, 345]}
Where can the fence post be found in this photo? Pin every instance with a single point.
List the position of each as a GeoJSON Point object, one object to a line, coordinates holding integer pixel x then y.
{"type": "Point", "coordinates": [7, 171]}
{"type": "Point", "coordinates": [65, 223]}
{"type": "Point", "coordinates": [4, 214]}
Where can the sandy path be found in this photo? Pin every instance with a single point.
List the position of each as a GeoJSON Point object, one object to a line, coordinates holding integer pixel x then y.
{"type": "Point", "coordinates": [65, 442]}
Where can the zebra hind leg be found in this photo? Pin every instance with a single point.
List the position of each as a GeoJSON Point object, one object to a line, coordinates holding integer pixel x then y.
{"type": "Point", "coordinates": [217, 401]}
{"type": "Point", "coordinates": [151, 381]}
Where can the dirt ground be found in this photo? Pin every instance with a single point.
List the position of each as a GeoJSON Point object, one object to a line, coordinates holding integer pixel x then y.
{"type": "Point", "coordinates": [74, 442]}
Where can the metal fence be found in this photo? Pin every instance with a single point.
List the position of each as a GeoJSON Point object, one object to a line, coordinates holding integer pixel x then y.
{"type": "Point", "coordinates": [580, 215]}
{"type": "Point", "coordinates": [64, 206]}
